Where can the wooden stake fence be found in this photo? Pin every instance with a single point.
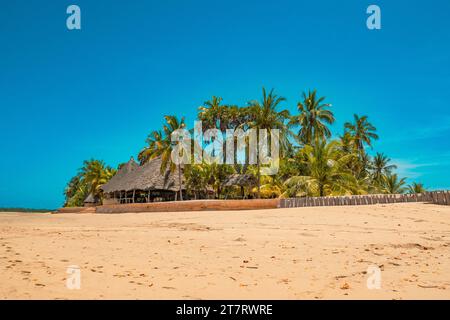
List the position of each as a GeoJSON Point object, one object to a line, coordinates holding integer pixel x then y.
{"type": "Point", "coordinates": [436, 197]}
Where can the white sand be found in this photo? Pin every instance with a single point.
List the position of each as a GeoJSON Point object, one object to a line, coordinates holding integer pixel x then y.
{"type": "Point", "coordinates": [270, 254]}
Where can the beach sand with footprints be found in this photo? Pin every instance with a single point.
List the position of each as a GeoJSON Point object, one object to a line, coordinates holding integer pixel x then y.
{"type": "Point", "coordinates": [298, 253]}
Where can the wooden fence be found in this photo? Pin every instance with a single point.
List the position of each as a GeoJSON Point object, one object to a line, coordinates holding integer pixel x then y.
{"type": "Point", "coordinates": [436, 197]}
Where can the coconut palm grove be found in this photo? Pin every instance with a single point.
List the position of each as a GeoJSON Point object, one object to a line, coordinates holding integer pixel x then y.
{"type": "Point", "coordinates": [312, 161]}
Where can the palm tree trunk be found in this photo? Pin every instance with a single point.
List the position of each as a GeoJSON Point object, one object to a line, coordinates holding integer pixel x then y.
{"type": "Point", "coordinates": [179, 181]}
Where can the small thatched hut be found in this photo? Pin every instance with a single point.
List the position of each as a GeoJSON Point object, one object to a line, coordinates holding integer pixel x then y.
{"type": "Point", "coordinates": [91, 201]}
{"type": "Point", "coordinates": [133, 183]}
{"type": "Point", "coordinates": [240, 180]}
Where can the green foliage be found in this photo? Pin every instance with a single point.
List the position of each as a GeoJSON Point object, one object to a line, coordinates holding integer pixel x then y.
{"type": "Point", "coordinates": [391, 184]}
{"type": "Point", "coordinates": [159, 144]}
{"type": "Point", "coordinates": [89, 179]}
{"type": "Point", "coordinates": [197, 178]}
{"type": "Point", "coordinates": [264, 115]}
{"type": "Point", "coordinates": [327, 171]}
{"type": "Point", "coordinates": [381, 167]}
{"type": "Point", "coordinates": [416, 188]}
{"type": "Point", "coordinates": [361, 131]}
{"type": "Point", "coordinates": [313, 118]}
{"type": "Point", "coordinates": [310, 164]}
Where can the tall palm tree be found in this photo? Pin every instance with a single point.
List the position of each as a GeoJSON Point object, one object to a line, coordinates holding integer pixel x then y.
{"type": "Point", "coordinates": [392, 185]}
{"type": "Point", "coordinates": [313, 118]}
{"type": "Point", "coordinates": [327, 171]}
{"type": "Point", "coordinates": [160, 145]}
{"type": "Point", "coordinates": [381, 166]}
{"type": "Point", "coordinates": [155, 141]}
{"type": "Point", "coordinates": [362, 131]}
{"type": "Point", "coordinates": [212, 114]}
{"type": "Point", "coordinates": [264, 115]}
{"type": "Point", "coordinates": [416, 188]}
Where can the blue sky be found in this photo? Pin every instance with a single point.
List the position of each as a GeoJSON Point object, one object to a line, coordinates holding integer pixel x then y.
{"type": "Point", "coordinates": [66, 96]}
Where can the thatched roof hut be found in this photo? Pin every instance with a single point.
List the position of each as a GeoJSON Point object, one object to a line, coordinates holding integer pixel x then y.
{"type": "Point", "coordinates": [242, 180]}
{"type": "Point", "coordinates": [91, 200]}
{"type": "Point", "coordinates": [117, 182]}
{"type": "Point", "coordinates": [146, 177]}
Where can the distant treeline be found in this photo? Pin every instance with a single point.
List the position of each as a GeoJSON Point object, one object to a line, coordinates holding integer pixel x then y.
{"type": "Point", "coordinates": [24, 210]}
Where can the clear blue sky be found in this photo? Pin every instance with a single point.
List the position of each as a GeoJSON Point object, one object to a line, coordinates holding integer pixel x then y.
{"type": "Point", "coordinates": [66, 96]}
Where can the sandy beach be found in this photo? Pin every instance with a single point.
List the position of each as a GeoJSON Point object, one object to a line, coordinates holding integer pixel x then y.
{"type": "Point", "coordinates": [298, 253]}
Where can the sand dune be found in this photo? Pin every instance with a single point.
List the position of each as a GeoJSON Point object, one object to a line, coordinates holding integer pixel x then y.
{"type": "Point", "coordinates": [299, 253]}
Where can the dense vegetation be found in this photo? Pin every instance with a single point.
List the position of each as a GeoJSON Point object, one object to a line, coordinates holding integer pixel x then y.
{"type": "Point", "coordinates": [311, 163]}
{"type": "Point", "coordinates": [90, 177]}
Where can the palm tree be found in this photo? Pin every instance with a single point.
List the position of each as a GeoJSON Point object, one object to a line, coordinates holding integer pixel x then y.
{"type": "Point", "coordinates": [327, 171]}
{"type": "Point", "coordinates": [392, 185]}
{"type": "Point", "coordinates": [313, 118]}
{"type": "Point", "coordinates": [72, 188]}
{"type": "Point", "coordinates": [89, 179]}
{"type": "Point", "coordinates": [264, 115]}
{"type": "Point", "coordinates": [347, 143]}
{"type": "Point", "coordinates": [197, 178]}
{"type": "Point", "coordinates": [217, 174]}
{"type": "Point", "coordinates": [211, 114]}
{"type": "Point", "coordinates": [381, 167]}
{"type": "Point", "coordinates": [362, 132]}
{"type": "Point", "coordinates": [272, 186]}
{"type": "Point", "coordinates": [77, 199]}
{"type": "Point", "coordinates": [416, 188]}
{"type": "Point", "coordinates": [154, 141]}
{"type": "Point", "coordinates": [94, 174]}
{"type": "Point", "coordinates": [160, 145]}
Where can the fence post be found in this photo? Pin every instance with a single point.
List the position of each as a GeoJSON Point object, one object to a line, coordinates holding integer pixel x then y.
{"type": "Point", "coordinates": [440, 198]}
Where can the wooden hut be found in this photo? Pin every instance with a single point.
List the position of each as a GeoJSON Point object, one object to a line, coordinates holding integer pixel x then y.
{"type": "Point", "coordinates": [133, 183]}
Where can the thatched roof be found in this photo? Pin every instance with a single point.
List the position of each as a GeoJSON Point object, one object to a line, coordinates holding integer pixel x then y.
{"type": "Point", "coordinates": [117, 181]}
{"type": "Point", "coordinates": [145, 177]}
{"type": "Point", "coordinates": [90, 199]}
{"type": "Point", "coordinates": [240, 180]}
